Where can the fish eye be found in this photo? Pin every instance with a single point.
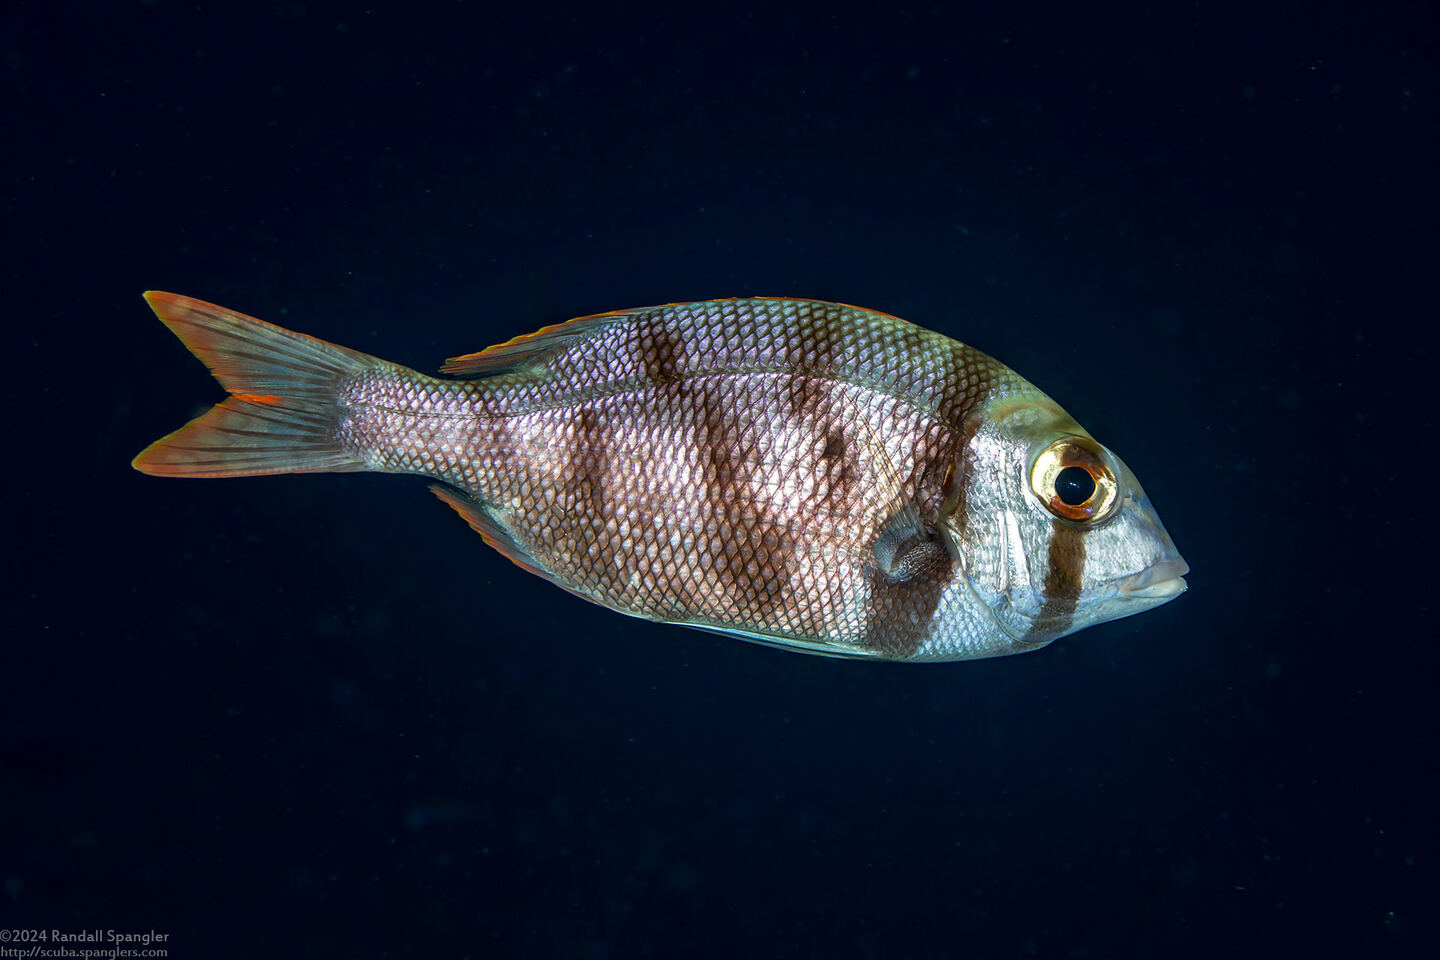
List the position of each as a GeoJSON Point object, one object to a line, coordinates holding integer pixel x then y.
{"type": "Point", "coordinates": [1074, 482]}
{"type": "Point", "coordinates": [1074, 486]}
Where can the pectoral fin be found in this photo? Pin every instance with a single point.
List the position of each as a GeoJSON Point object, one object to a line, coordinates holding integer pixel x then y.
{"type": "Point", "coordinates": [907, 547]}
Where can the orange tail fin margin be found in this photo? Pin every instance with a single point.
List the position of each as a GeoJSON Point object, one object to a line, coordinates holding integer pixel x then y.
{"type": "Point", "coordinates": [282, 410]}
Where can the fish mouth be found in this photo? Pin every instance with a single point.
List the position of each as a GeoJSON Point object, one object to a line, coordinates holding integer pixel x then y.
{"type": "Point", "coordinates": [1160, 581]}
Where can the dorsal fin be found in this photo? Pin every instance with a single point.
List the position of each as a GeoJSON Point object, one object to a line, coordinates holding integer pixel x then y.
{"type": "Point", "coordinates": [529, 346]}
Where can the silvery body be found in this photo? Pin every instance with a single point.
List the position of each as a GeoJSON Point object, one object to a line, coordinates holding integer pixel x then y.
{"type": "Point", "coordinates": [800, 473]}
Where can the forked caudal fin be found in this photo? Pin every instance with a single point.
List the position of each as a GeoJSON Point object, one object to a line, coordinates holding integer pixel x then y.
{"type": "Point", "coordinates": [282, 410]}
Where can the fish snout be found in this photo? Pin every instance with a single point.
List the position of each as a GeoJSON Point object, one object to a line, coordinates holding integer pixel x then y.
{"type": "Point", "coordinates": [1162, 580]}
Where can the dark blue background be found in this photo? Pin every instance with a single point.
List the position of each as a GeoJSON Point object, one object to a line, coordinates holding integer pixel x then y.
{"type": "Point", "coordinates": [315, 717]}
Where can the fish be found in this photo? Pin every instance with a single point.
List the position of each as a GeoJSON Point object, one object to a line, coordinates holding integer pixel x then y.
{"type": "Point", "coordinates": [805, 474]}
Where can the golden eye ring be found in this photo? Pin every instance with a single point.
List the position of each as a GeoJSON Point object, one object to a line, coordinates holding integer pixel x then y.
{"type": "Point", "coordinates": [1071, 478]}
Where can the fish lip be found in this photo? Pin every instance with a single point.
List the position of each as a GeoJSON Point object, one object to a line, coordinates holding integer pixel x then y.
{"type": "Point", "coordinates": [1159, 581]}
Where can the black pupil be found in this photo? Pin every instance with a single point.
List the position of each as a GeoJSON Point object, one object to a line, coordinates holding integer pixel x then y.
{"type": "Point", "coordinates": [1074, 486]}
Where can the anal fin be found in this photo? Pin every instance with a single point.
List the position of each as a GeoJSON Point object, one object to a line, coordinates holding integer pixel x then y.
{"type": "Point", "coordinates": [491, 532]}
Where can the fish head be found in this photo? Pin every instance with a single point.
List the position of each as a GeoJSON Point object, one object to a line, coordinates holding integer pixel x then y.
{"type": "Point", "coordinates": [1053, 534]}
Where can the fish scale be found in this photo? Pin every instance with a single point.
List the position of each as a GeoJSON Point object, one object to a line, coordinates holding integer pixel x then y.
{"type": "Point", "coordinates": [801, 473]}
{"type": "Point", "coordinates": [693, 388]}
